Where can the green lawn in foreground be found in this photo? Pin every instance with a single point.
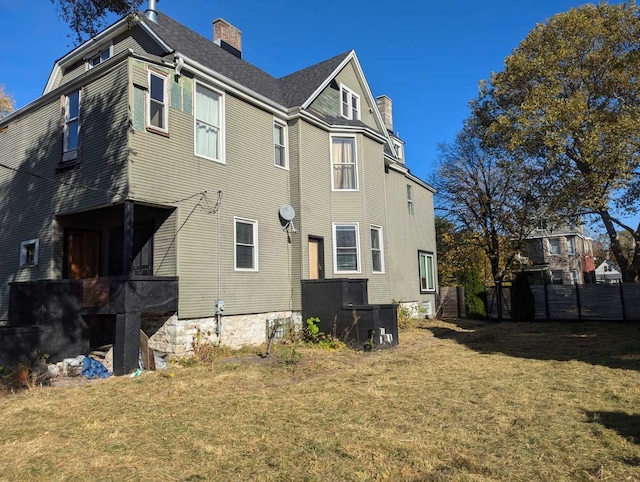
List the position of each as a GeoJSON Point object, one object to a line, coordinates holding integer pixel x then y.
{"type": "Point", "coordinates": [455, 401]}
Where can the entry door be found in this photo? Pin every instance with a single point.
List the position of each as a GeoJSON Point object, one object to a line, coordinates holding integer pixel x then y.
{"type": "Point", "coordinates": [316, 257]}
{"type": "Point", "coordinates": [83, 254]}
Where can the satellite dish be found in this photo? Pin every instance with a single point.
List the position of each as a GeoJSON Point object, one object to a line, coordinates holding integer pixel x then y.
{"type": "Point", "coordinates": [287, 212]}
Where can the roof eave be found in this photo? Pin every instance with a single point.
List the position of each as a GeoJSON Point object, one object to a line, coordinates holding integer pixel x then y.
{"type": "Point", "coordinates": [79, 52]}
{"type": "Point", "coordinates": [233, 86]}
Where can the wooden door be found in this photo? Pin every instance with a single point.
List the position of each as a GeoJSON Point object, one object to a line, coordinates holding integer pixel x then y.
{"type": "Point", "coordinates": [316, 258]}
{"type": "Point", "coordinates": [83, 254]}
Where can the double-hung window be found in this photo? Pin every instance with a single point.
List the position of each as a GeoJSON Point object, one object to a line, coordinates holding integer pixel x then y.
{"type": "Point", "coordinates": [427, 272]}
{"type": "Point", "coordinates": [554, 246]}
{"type": "Point", "coordinates": [157, 110]}
{"type": "Point", "coordinates": [280, 144]}
{"type": "Point", "coordinates": [71, 126]}
{"type": "Point", "coordinates": [344, 164]}
{"type": "Point", "coordinates": [377, 252]}
{"type": "Point", "coordinates": [346, 242]}
{"type": "Point", "coordinates": [29, 251]}
{"type": "Point", "coordinates": [571, 245]}
{"type": "Point", "coordinates": [350, 103]}
{"type": "Point", "coordinates": [246, 244]}
{"type": "Point", "coordinates": [410, 199]}
{"type": "Point", "coordinates": [556, 277]}
{"type": "Point", "coordinates": [208, 123]}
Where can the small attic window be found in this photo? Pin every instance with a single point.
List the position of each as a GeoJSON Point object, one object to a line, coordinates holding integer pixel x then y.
{"type": "Point", "coordinates": [399, 149]}
{"type": "Point", "coordinates": [100, 56]}
{"type": "Point", "coordinates": [350, 103]}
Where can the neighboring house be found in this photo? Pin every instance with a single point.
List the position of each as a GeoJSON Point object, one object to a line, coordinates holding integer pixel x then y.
{"type": "Point", "coordinates": [608, 273]}
{"type": "Point", "coordinates": [159, 160]}
{"type": "Point", "coordinates": [559, 255]}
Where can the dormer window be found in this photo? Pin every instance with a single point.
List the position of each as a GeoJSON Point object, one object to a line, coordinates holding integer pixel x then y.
{"type": "Point", "coordinates": [350, 103]}
{"type": "Point", "coordinates": [100, 56]}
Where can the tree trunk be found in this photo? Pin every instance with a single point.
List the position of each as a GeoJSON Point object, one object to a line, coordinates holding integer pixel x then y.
{"type": "Point", "coordinates": [629, 268]}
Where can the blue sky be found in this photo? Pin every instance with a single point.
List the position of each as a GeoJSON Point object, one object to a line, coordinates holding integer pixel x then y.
{"type": "Point", "coordinates": [428, 57]}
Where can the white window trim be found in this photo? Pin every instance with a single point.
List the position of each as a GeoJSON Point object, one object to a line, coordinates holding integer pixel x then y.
{"type": "Point", "coordinates": [399, 149]}
{"type": "Point", "coordinates": [374, 227]}
{"type": "Point", "coordinates": [574, 277]}
{"type": "Point", "coordinates": [255, 244]}
{"type": "Point", "coordinates": [165, 103]}
{"type": "Point", "coordinates": [98, 52]}
{"type": "Point", "coordinates": [355, 154]}
{"type": "Point", "coordinates": [23, 252]}
{"type": "Point", "coordinates": [335, 249]}
{"type": "Point", "coordinates": [285, 127]}
{"type": "Point", "coordinates": [70, 154]}
{"type": "Point", "coordinates": [351, 94]}
{"type": "Point", "coordinates": [571, 245]}
{"type": "Point", "coordinates": [221, 128]}
{"type": "Point", "coordinates": [427, 254]}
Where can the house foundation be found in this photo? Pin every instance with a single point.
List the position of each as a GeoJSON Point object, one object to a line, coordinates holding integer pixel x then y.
{"type": "Point", "coordinates": [176, 336]}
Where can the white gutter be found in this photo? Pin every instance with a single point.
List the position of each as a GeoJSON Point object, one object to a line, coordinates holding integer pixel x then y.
{"type": "Point", "coordinates": [231, 85]}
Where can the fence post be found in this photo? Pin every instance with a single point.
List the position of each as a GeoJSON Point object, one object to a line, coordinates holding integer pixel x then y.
{"type": "Point", "coordinates": [499, 299]}
{"type": "Point", "coordinates": [624, 308]}
{"type": "Point", "coordinates": [578, 302]}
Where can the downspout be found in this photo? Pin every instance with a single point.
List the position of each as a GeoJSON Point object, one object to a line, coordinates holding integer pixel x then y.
{"type": "Point", "coordinates": [219, 302]}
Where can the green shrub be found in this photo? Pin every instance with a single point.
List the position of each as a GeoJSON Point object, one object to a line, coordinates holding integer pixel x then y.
{"type": "Point", "coordinates": [312, 335]}
{"type": "Point", "coordinates": [473, 294]}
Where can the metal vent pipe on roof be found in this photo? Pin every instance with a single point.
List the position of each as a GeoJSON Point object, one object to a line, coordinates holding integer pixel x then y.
{"type": "Point", "coordinates": [150, 12]}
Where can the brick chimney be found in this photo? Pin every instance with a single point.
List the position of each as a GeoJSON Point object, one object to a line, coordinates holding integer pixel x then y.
{"type": "Point", "coordinates": [228, 37]}
{"type": "Point", "coordinates": [384, 106]}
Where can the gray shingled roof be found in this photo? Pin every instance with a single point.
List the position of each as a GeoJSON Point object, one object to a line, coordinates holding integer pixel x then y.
{"type": "Point", "coordinates": [289, 91]}
{"type": "Point", "coordinates": [296, 88]}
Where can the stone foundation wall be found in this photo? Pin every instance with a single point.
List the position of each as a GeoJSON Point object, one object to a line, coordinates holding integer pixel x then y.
{"type": "Point", "coordinates": [175, 337]}
{"type": "Point", "coordinates": [418, 309]}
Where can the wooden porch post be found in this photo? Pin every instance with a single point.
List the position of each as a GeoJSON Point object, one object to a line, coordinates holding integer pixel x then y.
{"type": "Point", "coordinates": [127, 247]}
{"type": "Point", "coordinates": [127, 343]}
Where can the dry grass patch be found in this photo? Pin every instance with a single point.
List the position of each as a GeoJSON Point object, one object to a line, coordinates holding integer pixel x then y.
{"type": "Point", "coordinates": [453, 402]}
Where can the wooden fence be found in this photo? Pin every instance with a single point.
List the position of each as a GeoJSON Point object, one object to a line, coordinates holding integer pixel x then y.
{"type": "Point", "coordinates": [588, 302]}
{"type": "Point", "coordinates": [451, 303]}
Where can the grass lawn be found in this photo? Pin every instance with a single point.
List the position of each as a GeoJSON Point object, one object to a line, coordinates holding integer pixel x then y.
{"type": "Point", "coordinates": [457, 401]}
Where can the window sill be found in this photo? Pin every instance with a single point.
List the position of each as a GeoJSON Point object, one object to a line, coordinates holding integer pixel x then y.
{"type": "Point", "coordinates": [67, 166]}
{"type": "Point", "coordinates": [155, 130]}
{"type": "Point", "coordinates": [201, 156]}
